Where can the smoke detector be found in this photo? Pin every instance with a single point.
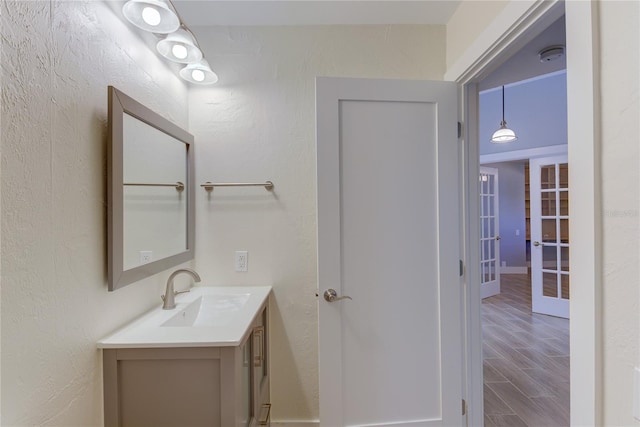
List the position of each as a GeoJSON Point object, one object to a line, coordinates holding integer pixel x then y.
{"type": "Point", "coordinates": [551, 53]}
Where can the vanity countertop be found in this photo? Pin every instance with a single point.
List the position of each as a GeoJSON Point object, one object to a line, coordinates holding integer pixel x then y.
{"type": "Point", "coordinates": [207, 316]}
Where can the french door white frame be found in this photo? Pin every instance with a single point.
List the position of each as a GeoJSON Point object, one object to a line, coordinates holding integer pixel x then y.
{"type": "Point", "coordinates": [509, 31]}
{"type": "Point", "coordinates": [489, 232]}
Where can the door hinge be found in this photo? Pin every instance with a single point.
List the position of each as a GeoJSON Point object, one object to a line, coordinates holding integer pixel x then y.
{"type": "Point", "coordinates": [464, 407]}
{"type": "Point", "coordinates": [459, 130]}
{"type": "Point", "coordinates": [461, 268]}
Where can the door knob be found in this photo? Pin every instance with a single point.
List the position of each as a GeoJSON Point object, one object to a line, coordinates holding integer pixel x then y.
{"type": "Point", "coordinates": [498, 237]}
{"type": "Point", "coordinates": [536, 243]}
{"type": "Point", "coordinates": [330, 295]}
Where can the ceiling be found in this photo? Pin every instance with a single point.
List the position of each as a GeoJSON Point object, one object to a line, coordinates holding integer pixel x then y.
{"type": "Point", "coordinates": [526, 63]}
{"type": "Point", "coordinates": [314, 12]}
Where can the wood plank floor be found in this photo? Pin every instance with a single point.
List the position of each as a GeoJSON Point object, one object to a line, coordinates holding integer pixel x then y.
{"type": "Point", "coordinates": [526, 360]}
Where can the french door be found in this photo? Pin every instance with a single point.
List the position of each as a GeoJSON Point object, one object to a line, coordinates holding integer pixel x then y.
{"type": "Point", "coordinates": [549, 184]}
{"type": "Point", "coordinates": [489, 233]}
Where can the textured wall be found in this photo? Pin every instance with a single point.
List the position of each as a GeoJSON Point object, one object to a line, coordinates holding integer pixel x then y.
{"type": "Point", "coordinates": [258, 124]}
{"type": "Point", "coordinates": [620, 97]}
{"type": "Point", "coordinates": [57, 60]}
{"type": "Point", "coordinates": [469, 20]}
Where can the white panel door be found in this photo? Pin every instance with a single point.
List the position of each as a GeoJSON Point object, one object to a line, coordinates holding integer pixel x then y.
{"type": "Point", "coordinates": [549, 185]}
{"type": "Point", "coordinates": [489, 233]}
{"type": "Point", "coordinates": [388, 237]}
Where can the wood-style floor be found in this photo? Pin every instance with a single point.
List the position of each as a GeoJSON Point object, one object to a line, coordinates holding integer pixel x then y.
{"type": "Point", "coordinates": [526, 360]}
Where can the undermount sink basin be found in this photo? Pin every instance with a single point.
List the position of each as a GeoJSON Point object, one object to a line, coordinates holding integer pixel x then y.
{"type": "Point", "coordinates": [216, 316]}
{"type": "Point", "coordinates": [209, 310]}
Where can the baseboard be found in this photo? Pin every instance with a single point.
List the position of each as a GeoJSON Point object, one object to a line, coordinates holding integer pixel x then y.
{"type": "Point", "coordinates": [514, 270]}
{"type": "Point", "coordinates": [290, 423]}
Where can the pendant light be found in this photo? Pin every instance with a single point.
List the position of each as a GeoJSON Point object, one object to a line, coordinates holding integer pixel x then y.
{"type": "Point", "coordinates": [179, 47]}
{"type": "Point", "coordinates": [151, 15]}
{"type": "Point", "coordinates": [504, 134]}
{"type": "Point", "coordinates": [199, 73]}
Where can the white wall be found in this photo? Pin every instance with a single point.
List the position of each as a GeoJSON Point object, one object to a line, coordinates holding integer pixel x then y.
{"type": "Point", "coordinates": [620, 92]}
{"type": "Point", "coordinates": [258, 124]}
{"type": "Point", "coordinates": [57, 60]}
{"type": "Point", "coordinates": [469, 20]}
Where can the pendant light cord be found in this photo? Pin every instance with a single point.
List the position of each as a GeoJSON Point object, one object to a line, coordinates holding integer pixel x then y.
{"type": "Point", "coordinates": [503, 103]}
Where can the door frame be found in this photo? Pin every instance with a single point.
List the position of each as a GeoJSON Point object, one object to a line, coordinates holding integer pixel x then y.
{"type": "Point", "coordinates": [511, 29]}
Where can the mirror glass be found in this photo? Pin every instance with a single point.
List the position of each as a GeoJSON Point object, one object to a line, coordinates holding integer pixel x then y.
{"type": "Point", "coordinates": [150, 194]}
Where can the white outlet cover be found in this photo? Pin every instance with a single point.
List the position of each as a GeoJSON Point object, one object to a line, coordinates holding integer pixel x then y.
{"type": "Point", "coordinates": [242, 261]}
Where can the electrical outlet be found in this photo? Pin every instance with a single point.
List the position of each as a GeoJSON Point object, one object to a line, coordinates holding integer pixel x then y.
{"type": "Point", "coordinates": [242, 261]}
{"type": "Point", "coordinates": [517, 232]}
{"type": "Point", "coordinates": [146, 257]}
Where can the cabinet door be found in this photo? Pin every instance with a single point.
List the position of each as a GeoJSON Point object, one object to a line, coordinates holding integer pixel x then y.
{"type": "Point", "coordinates": [246, 405]}
{"type": "Point", "coordinates": [260, 375]}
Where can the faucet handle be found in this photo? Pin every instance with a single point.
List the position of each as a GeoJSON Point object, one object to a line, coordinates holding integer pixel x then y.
{"type": "Point", "coordinates": [176, 293]}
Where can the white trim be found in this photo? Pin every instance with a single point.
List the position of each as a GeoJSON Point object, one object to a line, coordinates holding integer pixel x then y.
{"type": "Point", "coordinates": [530, 153]}
{"type": "Point", "coordinates": [521, 82]}
{"type": "Point", "coordinates": [502, 37]}
{"type": "Point", "coordinates": [470, 204]}
{"type": "Point", "coordinates": [583, 125]}
{"type": "Point", "coordinates": [514, 270]}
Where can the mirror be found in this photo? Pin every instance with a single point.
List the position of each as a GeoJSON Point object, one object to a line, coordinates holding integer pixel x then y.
{"type": "Point", "coordinates": [150, 192]}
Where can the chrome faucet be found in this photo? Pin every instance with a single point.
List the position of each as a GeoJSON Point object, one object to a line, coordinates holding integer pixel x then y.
{"type": "Point", "coordinates": [170, 294]}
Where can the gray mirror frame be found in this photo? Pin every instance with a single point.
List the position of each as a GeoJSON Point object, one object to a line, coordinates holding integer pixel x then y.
{"type": "Point", "coordinates": [119, 104]}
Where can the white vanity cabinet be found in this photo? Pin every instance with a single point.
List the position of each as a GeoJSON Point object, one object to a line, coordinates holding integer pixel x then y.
{"type": "Point", "coordinates": [210, 385]}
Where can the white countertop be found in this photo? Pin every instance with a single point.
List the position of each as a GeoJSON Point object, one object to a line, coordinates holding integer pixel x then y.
{"type": "Point", "coordinates": [220, 328]}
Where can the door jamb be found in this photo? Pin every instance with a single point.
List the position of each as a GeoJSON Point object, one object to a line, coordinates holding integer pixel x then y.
{"type": "Point", "coordinates": [517, 21]}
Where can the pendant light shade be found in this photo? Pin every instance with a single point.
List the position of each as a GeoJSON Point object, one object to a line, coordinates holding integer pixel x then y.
{"type": "Point", "coordinates": [503, 134]}
{"type": "Point", "coordinates": [199, 73]}
{"type": "Point", "coordinates": [179, 47]}
{"type": "Point", "coordinates": [151, 15]}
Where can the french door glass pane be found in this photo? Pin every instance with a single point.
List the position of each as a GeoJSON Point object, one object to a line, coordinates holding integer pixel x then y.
{"type": "Point", "coordinates": [564, 283]}
{"type": "Point", "coordinates": [548, 177]}
{"type": "Point", "coordinates": [549, 230]}
{"type": "Point", "coordinates": [564, 175]}
{"type": "Point", "coordinates": [564, 202]}
{"type": "Point", "coordinates": [564, 230]}
{"type": "Point", "coordinates": [564, 258]}
{"type": "Point", "coordinates": [549, 285]}
{"type": "Point", "coordinates": [550, 257]}
{"type": "Point", "coordinates": [548, 203]}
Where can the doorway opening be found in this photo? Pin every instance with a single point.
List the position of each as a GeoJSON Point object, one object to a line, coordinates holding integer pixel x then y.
{"type": "Point", "coordinates": [582, 105]}
{"type": "Point", "coordinates": [524, 236]}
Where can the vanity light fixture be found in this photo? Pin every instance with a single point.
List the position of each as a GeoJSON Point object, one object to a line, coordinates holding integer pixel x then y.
{"type": "Point", "coordinates": [151, 15]}
{"type": "Point", "coordinates": [199, 73]}
{"type": "Point", "coordinates": [179, 47]}
{"type": "Point", "coordinates": [503, 134]}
